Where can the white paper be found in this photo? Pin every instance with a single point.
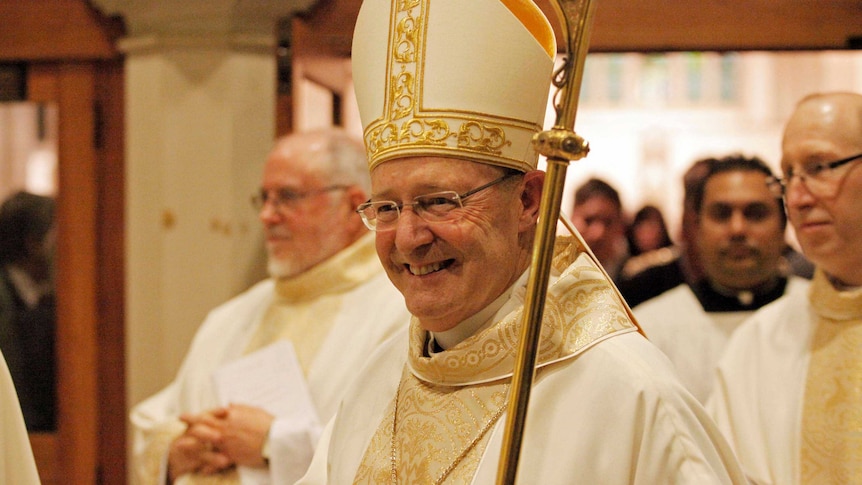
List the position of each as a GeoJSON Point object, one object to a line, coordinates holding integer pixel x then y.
{"type": "Point", "coordinates": [270, 379]}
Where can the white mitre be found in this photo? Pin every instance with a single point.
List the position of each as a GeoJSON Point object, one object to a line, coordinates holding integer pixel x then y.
{"type": "Point", "coordinates": [454, 78]}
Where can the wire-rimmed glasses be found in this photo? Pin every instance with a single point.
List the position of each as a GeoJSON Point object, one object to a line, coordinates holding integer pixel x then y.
{"type": "Point", "coordinates": [821, 179]}
{"type": "Point", "coordinates": [286, 198]}
{"type": "Point", "coordinates": [382, 215]}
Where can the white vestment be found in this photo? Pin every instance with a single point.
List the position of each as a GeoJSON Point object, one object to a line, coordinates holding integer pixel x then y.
{"type": "Point", "coordinates": [692, 338]}
{"type": "Point", "coordinates": [759, 393]}
{"type": "Point", "coordinates": [362, 316]}
{"type": "Point", "coordinates": [605, 407]}
{"type": "Point", "coordinates": [17, 465]}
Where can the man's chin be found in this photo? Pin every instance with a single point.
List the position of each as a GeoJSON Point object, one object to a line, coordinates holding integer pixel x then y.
{"type": "Point", "coordinates": [282, 269]}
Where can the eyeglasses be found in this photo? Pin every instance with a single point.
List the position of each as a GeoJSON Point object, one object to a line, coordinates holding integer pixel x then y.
{"type": "Point", "coordinates": [821, 179]}
{"type": "Point", "coordinates": [383, 215]}
{"type": "Point", "coordinates": [285, 198]}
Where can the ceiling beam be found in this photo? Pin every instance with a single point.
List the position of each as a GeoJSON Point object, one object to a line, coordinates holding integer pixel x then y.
{"type": "Point", "coordinates": [656, 25]}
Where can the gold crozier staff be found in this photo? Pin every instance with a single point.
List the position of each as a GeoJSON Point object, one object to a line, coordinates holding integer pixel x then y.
{"type": "Point", "coordinates": [560, 145]}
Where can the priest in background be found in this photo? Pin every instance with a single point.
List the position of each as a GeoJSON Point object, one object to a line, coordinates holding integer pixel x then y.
{"type": "Point", "coordinates": [788, 394]}
{"type": "Point", "coordinates": [266, 369]}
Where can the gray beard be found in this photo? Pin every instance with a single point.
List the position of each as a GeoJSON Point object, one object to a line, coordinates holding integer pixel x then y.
{"type": "Point", "coordinates": [282, 268]}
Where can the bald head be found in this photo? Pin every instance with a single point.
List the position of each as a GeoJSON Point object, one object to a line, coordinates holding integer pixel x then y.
{"type": "Point", "coordinates": [824, 198]}
{"type": "Point", "coordinates": [330, 154]}
{"type": "Point", "coordinates": [833, 117]}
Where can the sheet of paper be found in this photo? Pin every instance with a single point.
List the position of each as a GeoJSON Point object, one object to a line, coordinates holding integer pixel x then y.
{"type": "Point", "coordinates": [269, 378]}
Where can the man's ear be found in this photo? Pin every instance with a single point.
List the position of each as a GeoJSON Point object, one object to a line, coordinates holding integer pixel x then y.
{"type": "Point", "coordinates": [531, 198]}
{"type": "Point", "coordinates": [356, 196]}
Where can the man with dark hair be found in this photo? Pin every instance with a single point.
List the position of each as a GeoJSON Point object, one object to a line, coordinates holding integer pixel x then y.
{"type": "Point", "coordinates": [27, 304]}
{"type": "Point", "coordinates": [598, 215]}
{"type": "Point", "coordinates": [738, 238]}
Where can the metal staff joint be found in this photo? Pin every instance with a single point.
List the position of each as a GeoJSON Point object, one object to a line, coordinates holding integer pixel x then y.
{"type": "Point", "coordinates": [561, 144]}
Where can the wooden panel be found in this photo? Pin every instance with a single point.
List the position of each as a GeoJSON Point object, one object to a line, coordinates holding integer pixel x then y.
{"type": "Point", "coordinates": [110, 141]}
{"type": "Point", "coordinates": [45, 450]}
{"type": "Point", "coordinates": [55, 29]}
{"type": "Point", "coordinates": [654, 25]}
{"type": "Point", "coordinates": [71, 87]}
{"type": "Point", "coordinates": [77, 275]}
{"type": "Point", "coordinates": [660, 25]}
{"type": "Point", "coordinates": [283, 115]}
{"type": "Point", "coordinates": [91, 354]}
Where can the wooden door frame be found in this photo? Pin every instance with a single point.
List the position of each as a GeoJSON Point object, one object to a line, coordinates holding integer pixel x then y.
{"type": "Point", "coordinates": [72, 63]}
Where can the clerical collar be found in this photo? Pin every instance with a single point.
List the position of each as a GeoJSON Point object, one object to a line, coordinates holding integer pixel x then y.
{"type": "Point", "coordinates": [715, 299]}
{"type": "Point", "coordinates": [440, 341]}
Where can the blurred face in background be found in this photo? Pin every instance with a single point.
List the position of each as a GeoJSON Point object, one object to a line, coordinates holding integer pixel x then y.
{"type": "Point", "coordinates": [305, 220]}
{"type": "Point", "coordinates": [648, 235]}
{"type": "Point", "coordinates": [739, 233]}
{"type": "Point", "coordinates": [601, 224]}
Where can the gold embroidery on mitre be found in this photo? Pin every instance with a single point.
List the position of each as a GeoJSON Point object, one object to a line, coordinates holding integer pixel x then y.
{"type": "Point", "coordinates": [831, 450]}
{"type": "Point", "coordinates": [407, 128]}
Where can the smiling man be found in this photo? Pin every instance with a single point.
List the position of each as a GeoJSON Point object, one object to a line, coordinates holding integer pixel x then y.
{"type": "Point", "coordinates": [454, 205]}
{"type": "Point", "coordinates": [738, 236]}
{"type": "Point", "coordinates": [327, 295]}
{"type": "Point", "coordinates": [789, 388]}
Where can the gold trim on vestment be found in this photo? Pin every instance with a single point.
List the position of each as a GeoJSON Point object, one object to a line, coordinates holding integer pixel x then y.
{"type": "Point", "coordinates": [831, 451]}
{"type": "Point", "coordinates": [581, 309]}
{"type": "Point", "coordinates": [341, 272]}
{"type": "Point", "coordinates": [448, 400]}
{"type": "Point", "coordinates": [307, 306]}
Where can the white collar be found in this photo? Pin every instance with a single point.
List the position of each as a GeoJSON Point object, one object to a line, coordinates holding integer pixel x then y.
{"type": "Point", "coordinates": [481, 320]}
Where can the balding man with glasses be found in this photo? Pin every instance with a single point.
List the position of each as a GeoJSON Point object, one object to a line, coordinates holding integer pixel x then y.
{"type": "Point", "coordinates": [789, 388]}
{"type": "Point", "coordinates": [454, 206]}
{"type": "Point", "coordinates": [327, 295]}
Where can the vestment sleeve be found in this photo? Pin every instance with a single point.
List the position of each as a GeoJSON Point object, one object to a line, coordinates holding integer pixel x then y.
{"type": "Point", "coordinates": [292, 441]}
{"type": "Point", "coordinates": [155, 426]}
{"type": "Point", "coordinates": [317, 471]}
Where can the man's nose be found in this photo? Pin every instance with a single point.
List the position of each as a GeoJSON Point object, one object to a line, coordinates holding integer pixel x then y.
{"type": "Point", "coordinates": [737, 223]}
{"type": "Point", "coordinates": [796, 194]}
{"type": "Point", "coordinates": [269, 211]}
{"type": "Point", "coordinates": [411, 231]}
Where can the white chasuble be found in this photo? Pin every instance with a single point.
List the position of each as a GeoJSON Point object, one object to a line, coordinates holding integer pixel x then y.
{"type": "Point", "coordinates": [447, 403]}
{"type": "Point", "coordinates": [605, 407]}
{"type": "Point", "coordinates": [335, 314]}
{"type": "Point", "coordinates": [787, 392]}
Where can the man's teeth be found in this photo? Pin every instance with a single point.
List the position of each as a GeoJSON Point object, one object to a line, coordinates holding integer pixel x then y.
{"type": "Point", "coordinates": [423, 270]}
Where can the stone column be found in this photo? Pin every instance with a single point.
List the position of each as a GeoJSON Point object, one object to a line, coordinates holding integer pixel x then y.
{"type": "Point", "coordinates": [200, 118]}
